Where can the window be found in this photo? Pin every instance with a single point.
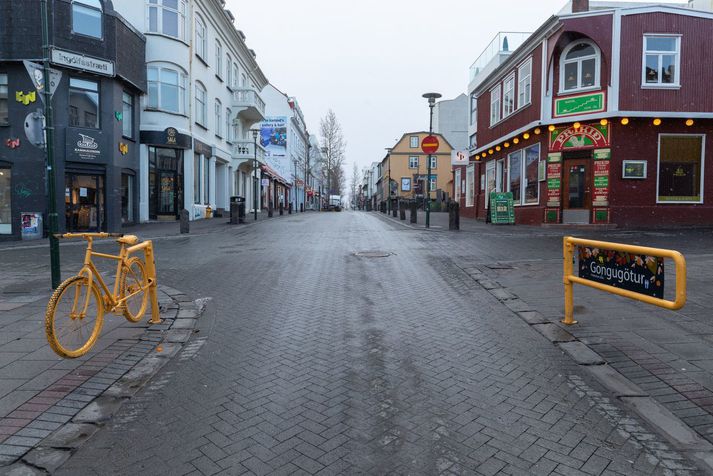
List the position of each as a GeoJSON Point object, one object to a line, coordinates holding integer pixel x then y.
{"type": "Point", "coordinates": [244, 81]}
{"type": "Point", "coordinates": [413, 162]}
{"type": "Point", "coordinates": [196, 178]}
{"type": "Point", "coordinates": [87, 17]}
{"type": "Point", "coordinates": [456, 184]}
{"type": "Point", "coordinates": [495, 105]}
{"type": "Point", "coordinates": [228, 132]}
{"type": "Point", "coordinates": [680, 174]}
{"type": "Point", "coordinates": [127, 115]}
{"type": "Point", "coordinates": [218, 118]}
{"type": "Point", "coordinates": [523, 175]}
{"type": "Point", "coordinates": [218, 59]}
{"type": "Point", "coordinates": [228, 71]}
{"type": "Point", "coordinates": [5, 201]}
{"type": "Point", "coordinates": [206, 180]}
{"type": "Point", "coordinates": [201, 39]}
{"type": "Point", "coordinates": [201, 106]}
{"type": "Point", "coordinates": [490, 182]}
{"type": "Point", "coordinates": [662, 60]}
{"type": "Point", "coordinates": [127, 199]}
{"type": "Point", "coordinates": [432, 183]}
{"type": "Point", "coordinates": [579, 68]}
{"type": "Point", "coordinates": [167, 89]}
{"type": "Point", "coordinates": [4, 116]}
{"type": "Point", "coordinates": [473, 141]}
{"type": "Point", "coordinates": [236, 75]}
{"type": "Point", "coordinates": [413, 142]}
{"type": "Point", "coordinates": [473, 110]}
{"type": "Point", "coordinates": [167, 17]}
{"type": "Point", "coordinates": [509, 96]}
{"type": "Point", "coordinates": [470, 186]}
{"type": "Point", "coordinates": [83, 103]}
{"type": "Point", "coordinates": [524, 84]}
{"type": "Point", "coordinates": [434, 161]}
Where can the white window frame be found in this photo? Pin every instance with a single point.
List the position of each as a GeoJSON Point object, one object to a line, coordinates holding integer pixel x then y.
{"type": "Point", "coordinates": [524, 83]}
{"type": "Point", "coordinates": [457, 184]}
{"type": "Point", "coordinates": [509, 95]}
{"type": "Point", "coordinates": [495, 105]}
{"type": "Point", "coordinates": [703, 172]}
{"type": "Point", "coordinates": [236, 76]}
{"type": "Point", "coordinates": [411, 162]}
{"type": "Point", "coordinates": [412, 142]}
{"type": "Point", "coordinates": [201, 100]}
{"type": "Point", "coordinates": [597, 67]}
{"type": "Point", "coordinates": [228, 70]}
{"type": "Point", "coordinates": [474, 111]}
{"type": "Point", "coordinates": [200, 44]}
{"type": "Point", "coordinates": [434, 162]}
{"type": "Point", "coordinates": [490, 172]}
{"type": "Point", "coordinates": [677, 53]}
{"type": "Point", "coordinates": [218, 118]}
{"type": "Point", "coordinates": [228, 126]}
{"type": "Point", "coordinates": [470, 185]}
{"type": "Point", "coordinates": [159, 7]}
{"type": "Point", "coordinates": [182, 80]}
{"type": "Point", "coordinates": [127, 120]}
{"type": "Point", "coordinates": [218, 59]}
{"type": "Point", "coordinates": [523, 175]}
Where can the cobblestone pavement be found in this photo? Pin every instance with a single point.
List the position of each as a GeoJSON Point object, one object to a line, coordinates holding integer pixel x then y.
{"type": "Point", "coordinates": [313, 360]}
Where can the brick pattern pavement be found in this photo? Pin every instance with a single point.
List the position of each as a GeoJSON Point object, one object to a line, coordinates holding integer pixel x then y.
{"type": "Point", "coordinates": [317, 361]}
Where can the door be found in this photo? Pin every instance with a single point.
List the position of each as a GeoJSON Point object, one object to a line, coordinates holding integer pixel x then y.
{"type": "Point", "coordinates": [84, 202]}
{"type": "Point", "coordinates": [167, 193]}
{"type": "Point", "coordinates": [576, 191]}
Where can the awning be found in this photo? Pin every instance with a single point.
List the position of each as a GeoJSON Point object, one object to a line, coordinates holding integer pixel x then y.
{"type": "Point", "coordinates": [267, 170]}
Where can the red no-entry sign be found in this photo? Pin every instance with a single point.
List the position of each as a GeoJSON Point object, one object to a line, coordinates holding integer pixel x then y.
{"type": "Point", "coordinates": [429, 144]}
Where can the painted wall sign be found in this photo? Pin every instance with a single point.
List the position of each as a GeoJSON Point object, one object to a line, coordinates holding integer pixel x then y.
{"type": "Point", "coordinates": [119, 115]}
{"type": "Point", "coordinates": [169, 137]}
{"type": "Point", "coordinates": [13, 143]}
{"type": "Point", "coordinates": [82, 62]}
{"type": "Point", "coordinates": [554, 179]}
{"type": "Point", "coordinates": [25, 98]}
{"type": "Point", "coordinates": [502, 209]}
{"type": "Point", "coordinates": [582, 104]}
{"type": "Point", "coordinates": [586, 136]}
{"type": "Point", "coordinates": [37, 75]}
{"type": "Point", "coordinates": [638, 273]}
{"type": "Point", "coordinates": [123, 148]}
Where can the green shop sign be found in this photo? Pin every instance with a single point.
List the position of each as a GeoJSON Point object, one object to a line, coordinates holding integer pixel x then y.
{"type": "Point", "coordinates": [502, 209]}
{"type": "Point", "coordinates": [584, 104]}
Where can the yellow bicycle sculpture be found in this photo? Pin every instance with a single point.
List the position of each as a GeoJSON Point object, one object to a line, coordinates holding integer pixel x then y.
{"type": "Point", "coordinates": [75, 312]}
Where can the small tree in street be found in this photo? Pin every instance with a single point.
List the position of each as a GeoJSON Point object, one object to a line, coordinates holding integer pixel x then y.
{"type": "Point", "coordinates": [354, 186]}
{"type": "Point", "coordinates": [333, 148]}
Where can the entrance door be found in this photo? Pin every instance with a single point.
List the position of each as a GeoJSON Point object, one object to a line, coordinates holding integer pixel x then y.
{"type": "Point", "coordinates": [167, 193]}
{"type": "Point", "coordinates": [576, 193]}
{"type": "Point", "coordinates": [165, 183]}
{"type": "Point", "coordinates": [84, 202]}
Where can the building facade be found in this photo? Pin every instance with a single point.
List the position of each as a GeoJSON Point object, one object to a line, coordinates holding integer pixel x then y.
{"type": "Point", "coordinates": [600, 116]}
{"type": "Point", "coordinates": [450, 120]}
{"type": "Point", "coordinates": [96, 84]}
{"type": "Point", "coordinates": [196, 146]}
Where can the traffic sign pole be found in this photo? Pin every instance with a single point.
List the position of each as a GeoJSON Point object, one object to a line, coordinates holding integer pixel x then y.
{"type": "Point", "coordinates": [429, 146]}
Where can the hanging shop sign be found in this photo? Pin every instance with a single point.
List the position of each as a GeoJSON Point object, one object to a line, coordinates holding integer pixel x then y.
{"type": "Point", "coordinates": [459, 157]}
{"type": "Point", "coordinates": [502, 208]}
{"type": "Point", "coordinates": [585, 137]}
{"type": "Point", "coordinates": [554, 179]}
{"type": "Point", "coordinates": [638, 273]}
{"type": "Point", "coordinates": [82, 62]}
{"type": "Point", "coordinates": [84, 146]}
{"type": "Point", "coordinates": [265, 182]}
{"type": "Point", "coordinates": [169, 137]}
{"type": "Point", "coordinates": [582, 104]}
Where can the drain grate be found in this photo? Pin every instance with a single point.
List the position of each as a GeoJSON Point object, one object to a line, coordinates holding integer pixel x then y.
{"type": "Point", "coordinates": [372, 254]}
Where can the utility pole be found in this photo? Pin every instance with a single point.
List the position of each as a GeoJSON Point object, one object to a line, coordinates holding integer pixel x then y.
{"type": "Point", "coordinates": [49, 149]}
{"type": "Point", "coordinates": [309, 147]}
{"type": "Point", "coordinates": [255, 180]}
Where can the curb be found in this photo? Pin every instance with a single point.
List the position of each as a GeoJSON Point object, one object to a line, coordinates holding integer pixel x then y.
{"type": "Point", "coordinates": [681, 436]}
{"type": "Point", "coordinates": [57, 433]}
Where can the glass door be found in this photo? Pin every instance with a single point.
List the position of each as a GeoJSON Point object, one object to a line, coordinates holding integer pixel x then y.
{"type": "Point", "coordinates": [167, 193]}
{"type": "Point", "coordinates": [576, 191]}
{"type": "Point", "coordinates": [84, 202]}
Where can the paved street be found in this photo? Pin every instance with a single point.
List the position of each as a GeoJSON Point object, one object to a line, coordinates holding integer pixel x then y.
{"type": "Point", "coordinates": [312, 359]}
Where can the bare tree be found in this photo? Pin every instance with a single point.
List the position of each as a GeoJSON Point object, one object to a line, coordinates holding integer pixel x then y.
{"type": "Point", "coordinates": [354, 186]}
{"type": "Point", "coordinates": [333, 149]}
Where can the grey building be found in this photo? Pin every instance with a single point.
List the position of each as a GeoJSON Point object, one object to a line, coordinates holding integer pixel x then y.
{"type": "Point", "coordinates": [100, 74]}
{"type": "Point", "coordinates": [450, 119]}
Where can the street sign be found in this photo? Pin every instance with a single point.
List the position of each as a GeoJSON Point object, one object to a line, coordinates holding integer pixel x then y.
{"type": "Point", "coordinates": [429, 144]}
{"type": "Point", "coordinates": [37, 76]}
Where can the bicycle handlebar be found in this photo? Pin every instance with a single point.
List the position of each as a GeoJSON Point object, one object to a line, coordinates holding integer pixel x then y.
{"type": "Point", "coordinates": [85, 236]}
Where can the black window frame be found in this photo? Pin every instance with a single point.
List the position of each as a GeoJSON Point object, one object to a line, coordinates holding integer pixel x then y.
{"type": "Point", "coordinates": [7, 98]}
{"type": "Point", "coordinates": [89, 7]}
{"type": "Point", "coordinates": [123, 117]}
{"type": "Point", "coordinates": [99, 97]}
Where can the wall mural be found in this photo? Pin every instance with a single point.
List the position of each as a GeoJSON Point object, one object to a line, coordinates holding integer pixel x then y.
{"type": "Point", "coordinates": [13, 143]}
{"type": "Point", "coordinates": [25, 98]}
{"type": "Point", "coordinates": [123, 148]}
{"type": "Point", "coordinates": [119, 115]}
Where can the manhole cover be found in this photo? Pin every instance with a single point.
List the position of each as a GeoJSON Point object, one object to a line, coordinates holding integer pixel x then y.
{"type": "Point", "coordinates": [372, 254]}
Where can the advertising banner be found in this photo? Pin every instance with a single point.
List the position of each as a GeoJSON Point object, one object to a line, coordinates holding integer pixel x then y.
{"type": "Point", "coordinates": [273, 137]}
{"type": "Point", "coordinates": [638, 273]}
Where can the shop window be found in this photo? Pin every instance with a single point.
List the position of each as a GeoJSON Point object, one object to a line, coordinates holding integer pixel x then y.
{"type": "Point", "coordinates": [490, 182]}
{"type": "Point", "coordinates": [218, 59]}
{"type": "Point", "coordinates": [4, 115]}
{"type": "Point", "coordinates": [201, 43]}
{"type": "Point", "coordinates": [167, 89]}
{"type": "Point", "coordinates": [413, 142]}
{"type": "Point", "coordinates": [218, 118]}
{"type": "Point", "coordinates": [87, 17]}
{"type": "Point", "coordinates": [83, 103]}
{"type": "Point", "coordinates": [201, 106]}
{"type": "Point", "coordinates": [495, 105]}
{"type": "Point", "coordinates": [470, 186]}
{"type": "Point", "coordinates": [524, 84]}
{"type": "Point", "coordinates": [196, 178]}
{"type": "Point", "coordinates": [167, 17]}
{"type": "Point", "coordinates": [413, 162]}
{"type": "Point", "coordinates": [5, 201]}
{"type": "Point", "coordinates": [509, 96]}
{"type": "Point", "coordinates": [680, 173]}
{"type": "Point", "coordinates": [127, 198]}
{"type": "Point", "coordinates": [206, 180]}
{"type": "Point", "coordinates": [456, 184]}
{"type": "Point", "coordinates": [662, 58]}
{"type": "Point", "coordinates": [515, 176]}
{"type": "Point", "coordinates": [127, 118]}
{"type": "Point", "coordinates": [523, 175]}
{"type": "Point", "coordinates": [579, 67]}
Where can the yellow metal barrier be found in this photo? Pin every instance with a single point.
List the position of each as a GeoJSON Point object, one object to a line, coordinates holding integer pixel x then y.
{"type": "Point", "coordinates": [569, 245]}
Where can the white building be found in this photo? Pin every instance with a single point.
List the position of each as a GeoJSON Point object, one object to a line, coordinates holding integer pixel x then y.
{"type": "Point", "coordinates": [450, 119]}
{"type": "Point", "coordinates": [203, 97]}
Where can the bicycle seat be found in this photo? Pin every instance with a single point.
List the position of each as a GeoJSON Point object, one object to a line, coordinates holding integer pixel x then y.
{"type": "Point", "coordinates": [128, 240]}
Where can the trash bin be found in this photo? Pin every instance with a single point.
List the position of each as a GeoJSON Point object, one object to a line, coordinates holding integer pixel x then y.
{"type": "Point", "coordinates": [31, 225]}
{"type": "Point", "coordinates": [237, 209]}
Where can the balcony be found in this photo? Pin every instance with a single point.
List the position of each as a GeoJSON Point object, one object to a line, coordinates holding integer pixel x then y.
{"type": "Point", "coordinates": [249, 105]}
{"type": "Point", "coordinates": [245, 150]}
{"type": "Point", "coordinates": [495, 53]}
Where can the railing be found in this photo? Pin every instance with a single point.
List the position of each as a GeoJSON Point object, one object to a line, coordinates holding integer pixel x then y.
{"type": "Point", "coordinates": [504, 42]}
{"type": "Point", "coordinates": [248, 97]}
{"type": "Point", "coordinates": [246, 150]}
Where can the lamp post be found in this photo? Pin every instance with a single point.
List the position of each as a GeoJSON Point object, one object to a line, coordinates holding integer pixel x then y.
{"type": "Point", "coordinates": [255, 180]}
{"type": "Point", "coordinates": [309, 147]}
{"type": "Point", "coordinates": [329, 187]}
{"type": "Point", "coordinates": [431, 102]}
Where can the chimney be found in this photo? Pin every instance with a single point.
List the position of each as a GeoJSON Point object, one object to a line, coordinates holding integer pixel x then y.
{"type": "Point", "coordinates": [580, 6]}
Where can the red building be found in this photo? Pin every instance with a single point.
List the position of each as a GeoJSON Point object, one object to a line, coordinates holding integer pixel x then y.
{"type": "Point", "coordinates": [600, 116]}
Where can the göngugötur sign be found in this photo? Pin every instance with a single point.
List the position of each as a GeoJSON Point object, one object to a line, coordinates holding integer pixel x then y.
{"type": "Point", "coordinates": [638, 273]}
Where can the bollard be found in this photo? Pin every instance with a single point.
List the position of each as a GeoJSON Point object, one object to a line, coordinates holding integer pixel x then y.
{"type": "Point", "coordinates": [241, 212]}
{"type": "Point", "coordinates": [289, 209]}
{"type": "Point", "coordinates": [302, 207]}
{"type": "Point", "coordinates": [402, 210]}
{"type": "Point", "coordinates": [269, 211]}
{"type": "Point", "coordinates": [393, 209]}
{"type": "Point", "coordinates": [234, 213]}
{"type": "Point", "coordinates": [453, 215]}
{"type": "Point", "coordinates": [185, 221]}
{"type": "Point", "coordinates": [414, 215]}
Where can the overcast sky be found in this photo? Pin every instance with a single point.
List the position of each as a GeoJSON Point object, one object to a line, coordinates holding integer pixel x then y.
{"type": "Point", "coordinates": [371, 60]}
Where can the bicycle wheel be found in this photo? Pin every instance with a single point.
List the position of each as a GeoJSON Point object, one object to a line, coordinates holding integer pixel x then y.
{"type": "Point", "coordinates": [70, 331]}
{"type": "Point", "coordinates": [134, 284]}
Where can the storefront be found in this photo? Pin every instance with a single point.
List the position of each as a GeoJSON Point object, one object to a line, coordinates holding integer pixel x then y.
{"type": "Point", "coordinates": [275, 190]}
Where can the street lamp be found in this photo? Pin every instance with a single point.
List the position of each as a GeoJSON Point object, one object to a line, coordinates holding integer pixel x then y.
{"type": "Point", "coordinates": [431, 102]}
{"type": "Point", "coordinates": [255, 181]}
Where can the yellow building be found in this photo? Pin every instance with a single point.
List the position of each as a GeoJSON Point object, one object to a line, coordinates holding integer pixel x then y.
{"type": "Point", "coordinates": [405, 167]}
